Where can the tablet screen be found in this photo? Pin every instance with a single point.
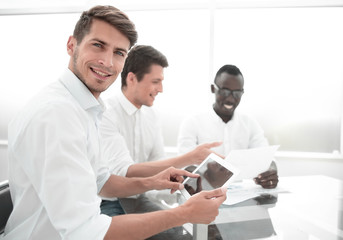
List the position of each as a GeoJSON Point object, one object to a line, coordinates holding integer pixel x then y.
{"type": "Point", "coordinates": [212, 175]}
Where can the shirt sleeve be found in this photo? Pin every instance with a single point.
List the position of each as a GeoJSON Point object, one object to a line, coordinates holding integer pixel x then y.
{"type": "Point", "coordinates": [257, 138]}
{"type": "Point", "coordinates": [52, 151]}
{"type": "Point", "coordinates": [157, 152]}
{"type": "Point", "coordinates": [116, 155]}
{"type": "Point", "coordinates": [188, 136]}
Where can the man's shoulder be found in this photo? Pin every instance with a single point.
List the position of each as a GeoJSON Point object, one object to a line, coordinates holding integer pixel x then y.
{"type": "Point", "coordinates": [55, 96]}
{"type": "Point", "coordinates": [202, 116]}
{"type": "Point", "coordinates": [247, 119]}
{"type": "Point", "coordinates": [111, 101]}
{"type": "Point", "coordinates": [51, 98]}
{"type": "Point", "coordinates": [114, 103]}
{"type": "Point", "coordinates": [150, 114]}
{"type": "Point", "coordinates": [114, 108]}
{"type": "Point", "coordinates": [51, 104]}
{"type": "Point", "coordinates": [244, 116]}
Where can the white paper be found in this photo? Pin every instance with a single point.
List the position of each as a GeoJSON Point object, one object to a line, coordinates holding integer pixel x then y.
{"type": "Point", "coordinates": [247, 189]}
{"type": "Point", "coordinates": [251, 162]}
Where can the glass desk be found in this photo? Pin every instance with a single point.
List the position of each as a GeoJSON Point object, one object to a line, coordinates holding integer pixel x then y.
{"type": "Point", "coordinates": [309, 207]}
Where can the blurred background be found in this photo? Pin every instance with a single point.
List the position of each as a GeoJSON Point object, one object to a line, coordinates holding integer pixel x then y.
{"type": "Point", "coordinates": [290, 53]}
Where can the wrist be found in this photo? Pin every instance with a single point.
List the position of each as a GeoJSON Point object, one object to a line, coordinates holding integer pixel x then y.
{"type": "Point", "coordinates": [148, 183]}
{"type": "Point", "coordinates": [180, 214]}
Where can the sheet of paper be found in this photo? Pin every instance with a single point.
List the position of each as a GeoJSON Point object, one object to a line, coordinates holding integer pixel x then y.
{"type": "Point", "coordinates": [247, 189]}
{"type": "Point", "coordinates": [253, 161]}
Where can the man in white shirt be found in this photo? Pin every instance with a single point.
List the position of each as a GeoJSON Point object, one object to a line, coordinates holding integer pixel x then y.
{"type": "Point", "coordinates": [223, 123]}
{"type": "Point", "coordinates": [54, 154]}
{"type": "Point", "coordinates": [130, 122]}
{"type": "Point", "coordinates": [129, 112]}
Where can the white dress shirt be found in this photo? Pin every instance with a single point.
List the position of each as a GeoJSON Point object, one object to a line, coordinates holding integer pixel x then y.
{"type": "Point", "coordinates": [138, 129]}
{"type": "Point", "coordinates": [53, 147]}
{"type": "Point", "coordinates": [241, 132]}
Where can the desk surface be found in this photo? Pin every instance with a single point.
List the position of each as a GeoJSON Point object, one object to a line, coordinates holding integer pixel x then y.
{"type": "Point", "coordinates": [311, 208]}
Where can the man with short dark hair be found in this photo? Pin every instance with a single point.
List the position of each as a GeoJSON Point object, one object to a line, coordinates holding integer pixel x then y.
{"type": "Point", "coordinates": [54, 149]}
{"type": "Point", "coordinates": [131, 123]}
{"type": "Point", "coordinates": [223, 123]}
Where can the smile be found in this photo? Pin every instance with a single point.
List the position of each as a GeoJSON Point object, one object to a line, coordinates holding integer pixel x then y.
{"type": "Point", "coordinates": [227, 106]}
{"type": "Point", "coordinates": [102, 74]}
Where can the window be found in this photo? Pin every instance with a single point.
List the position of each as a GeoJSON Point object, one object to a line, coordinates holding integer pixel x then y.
{"type": "Point", "coordinates": [292, 63]}
{"type": "Point", "coordinates": [290, 58]}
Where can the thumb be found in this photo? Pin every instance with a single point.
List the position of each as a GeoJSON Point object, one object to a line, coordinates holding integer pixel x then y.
{"type": "Point", "coordinates": [216, 193]}
{"type": "Point", "coordinates": [174, 186]}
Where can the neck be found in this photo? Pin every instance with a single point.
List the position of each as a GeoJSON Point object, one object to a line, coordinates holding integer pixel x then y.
{"type": "Point", "coordinates": [128, 96]}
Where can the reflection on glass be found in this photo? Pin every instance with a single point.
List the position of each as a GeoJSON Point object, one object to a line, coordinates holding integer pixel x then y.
{"type": "Point", "coordinates": [256, 228]}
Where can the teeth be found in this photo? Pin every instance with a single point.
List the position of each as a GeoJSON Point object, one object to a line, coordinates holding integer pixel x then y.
{"type": "Point", "coordinates": [100, 73]}
{"type": "Point", "coordinates": [228, 106]}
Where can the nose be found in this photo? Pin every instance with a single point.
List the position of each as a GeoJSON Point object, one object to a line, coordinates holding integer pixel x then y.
{"type": "Point", "coordinates": [230, 98]}
{"type": "Point", "coordinates": [160, 88]}
{"type": "Point", "coordinates": [107, 59]}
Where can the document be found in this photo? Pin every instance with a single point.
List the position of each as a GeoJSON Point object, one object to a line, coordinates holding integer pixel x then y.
{"type": "Point", "coordinates": [247, 189]}
{"type": "Point", "coordinates": [253, 161]}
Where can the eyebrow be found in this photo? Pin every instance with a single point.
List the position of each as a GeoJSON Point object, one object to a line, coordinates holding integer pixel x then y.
{"type": "Point", "coordinates": [106, 44]}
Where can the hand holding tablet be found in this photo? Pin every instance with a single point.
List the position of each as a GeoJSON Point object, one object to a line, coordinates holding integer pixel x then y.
{"type": "Point", "coordinates": [213, 172]}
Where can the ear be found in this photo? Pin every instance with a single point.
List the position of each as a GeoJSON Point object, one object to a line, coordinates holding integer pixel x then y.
{"type": "Point", "coordinates": [212, 88]}
{"type": "Point", "coordinates": [131, 79]}
{"type": "Point", "coordinates": [71, 44]}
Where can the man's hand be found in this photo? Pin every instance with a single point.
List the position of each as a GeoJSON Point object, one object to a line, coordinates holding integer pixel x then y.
{"type": "Point", "coordinates": [193, 191]}
{"type": "Point", "coordinates": [202, 151]}
{"type": "Point", "coordinates": [203, 206]}
{"type": "Point", "coordinates": [268, 179]}
{"type": "Point", "coordinates": [171, 178]}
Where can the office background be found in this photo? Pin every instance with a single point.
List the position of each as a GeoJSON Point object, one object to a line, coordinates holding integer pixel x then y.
{"type": "Point", "coordinates": [290, 53]}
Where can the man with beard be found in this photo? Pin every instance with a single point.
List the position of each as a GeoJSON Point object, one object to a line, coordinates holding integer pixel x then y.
{"type": "Point", "coordinates": [54, 150]}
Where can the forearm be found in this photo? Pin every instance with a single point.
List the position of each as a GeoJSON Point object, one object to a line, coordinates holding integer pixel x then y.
{"type": "Point", "coordinates": [147, 169]}
{"type": "Point", "coordinates": [117, 186]}
{"type": "Point", "coordinates": [144, 225]}
{"type": "Point", "coordinates": [200, 208]}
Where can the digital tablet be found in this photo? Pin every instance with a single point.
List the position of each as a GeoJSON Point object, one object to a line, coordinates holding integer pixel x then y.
{"type": "Point", "coordinates": [214, 172]}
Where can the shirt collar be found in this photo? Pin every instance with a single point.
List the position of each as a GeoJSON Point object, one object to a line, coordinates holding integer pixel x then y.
{"type": "Point", "coordinates": [80, 92]}
{"type": "Point", "coordinates": [82, 95]}
{"type": "Point", "coordinates": [129, 108]}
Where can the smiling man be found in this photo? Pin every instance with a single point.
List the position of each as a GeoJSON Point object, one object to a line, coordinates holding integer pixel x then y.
{"type": "Point", "coordinates": [130, 118]}
{"type": "Point", "coordinates": [55, 173]}
{"type": "Point", "coordinates": [223, 123]}
{"type": "Point", "coordinates": [130, 133]}
{"type": "Point", "coordinates": [88, 57]}
{"type": "Point", "coordinates": [129, 112]}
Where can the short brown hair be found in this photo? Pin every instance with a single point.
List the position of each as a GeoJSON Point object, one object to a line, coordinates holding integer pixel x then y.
{"type": "Point", "coordinates": [109, 14]}
{"type": "Point", "coordinates": [139, 61]}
